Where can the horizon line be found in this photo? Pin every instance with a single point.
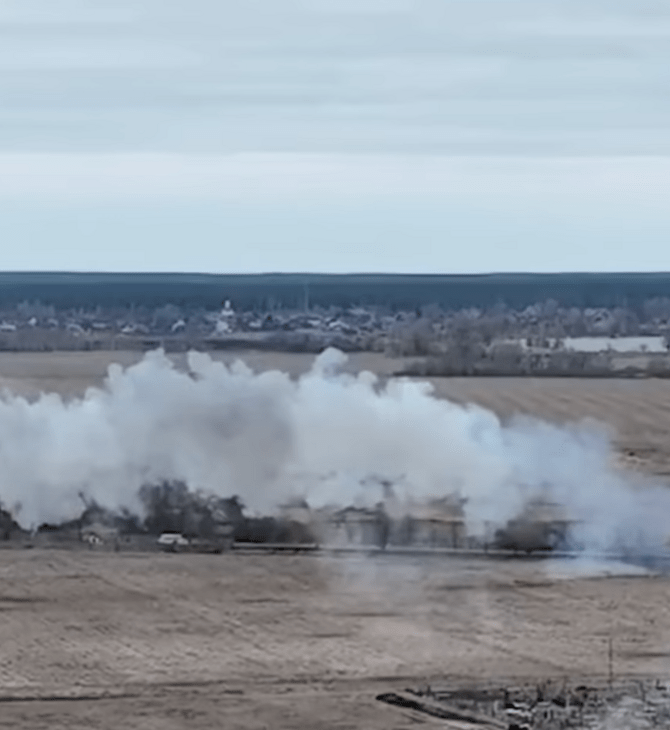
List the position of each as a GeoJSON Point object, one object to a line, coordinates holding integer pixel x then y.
{"type": "Point", "coordinates": [90, 272]}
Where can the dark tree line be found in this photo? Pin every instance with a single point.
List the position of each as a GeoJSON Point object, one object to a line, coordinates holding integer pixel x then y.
{"type": "Point", "coordinates": [267, 292]}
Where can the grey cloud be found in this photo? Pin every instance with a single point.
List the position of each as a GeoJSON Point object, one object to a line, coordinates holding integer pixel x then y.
{"type": "Point", "coordinates": [430, 76]}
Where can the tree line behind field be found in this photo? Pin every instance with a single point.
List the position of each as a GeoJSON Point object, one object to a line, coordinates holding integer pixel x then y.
{"type": "Point", "coordinates": [269, 292]}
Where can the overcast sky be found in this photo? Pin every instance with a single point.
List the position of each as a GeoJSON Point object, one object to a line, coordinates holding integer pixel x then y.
{"type": "Point", "coordinates": [335, 135]}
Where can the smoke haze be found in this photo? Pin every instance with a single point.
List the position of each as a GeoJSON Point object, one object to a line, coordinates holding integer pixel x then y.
{"type": "Point", "coordinates": [328, 437]}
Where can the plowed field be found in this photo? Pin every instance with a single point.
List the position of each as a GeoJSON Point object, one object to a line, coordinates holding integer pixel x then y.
{"type": "Point", "coordinates": [99, 640]}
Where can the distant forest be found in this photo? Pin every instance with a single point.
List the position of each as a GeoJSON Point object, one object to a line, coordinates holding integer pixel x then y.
{"type": "Point", "coordinates": [267, 292]}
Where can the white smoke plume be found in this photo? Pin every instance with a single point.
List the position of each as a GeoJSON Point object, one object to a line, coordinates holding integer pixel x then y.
{"type": "Point", "coordinates": [326, 436]}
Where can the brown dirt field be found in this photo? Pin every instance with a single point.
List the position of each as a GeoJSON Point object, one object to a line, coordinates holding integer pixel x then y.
{"type": "Point", "coordinates": [70, 373]}
{"type": "Point", "coordinates": [635, 412]}
{"type": "Point", "coordinates": [100, 640]}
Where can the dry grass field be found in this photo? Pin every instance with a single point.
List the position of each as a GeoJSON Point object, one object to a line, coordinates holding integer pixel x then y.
{"type": "Point", "coordinates": [70, 373]}
{"type": "Point", "coordinates": [113, 640]}
{"type": "Point", "coordinates": [635, 412]}
{"type": "Point", "coordinates": [98, 640]}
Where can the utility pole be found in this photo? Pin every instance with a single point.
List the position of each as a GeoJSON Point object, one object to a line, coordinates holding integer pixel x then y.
{"type": "Point", "coordinates": [610, 661]}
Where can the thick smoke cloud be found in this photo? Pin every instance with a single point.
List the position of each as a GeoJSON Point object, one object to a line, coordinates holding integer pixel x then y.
{"type": "Point", "coordinates": [327, 436]}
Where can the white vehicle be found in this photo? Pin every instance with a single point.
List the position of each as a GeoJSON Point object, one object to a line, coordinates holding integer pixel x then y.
{"type": "Point", "coordinates": [172, 541]}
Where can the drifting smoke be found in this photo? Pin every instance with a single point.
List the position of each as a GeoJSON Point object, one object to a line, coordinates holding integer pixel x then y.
{"type": "Point", "coordinates": [326, 436]}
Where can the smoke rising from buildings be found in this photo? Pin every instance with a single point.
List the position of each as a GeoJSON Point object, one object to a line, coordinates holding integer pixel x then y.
{"type": "Point", "coordinates": [329, 437]}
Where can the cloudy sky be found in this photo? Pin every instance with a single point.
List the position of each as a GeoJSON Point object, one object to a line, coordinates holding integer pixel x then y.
{"type": "Point", "coordinates": [335, 135]}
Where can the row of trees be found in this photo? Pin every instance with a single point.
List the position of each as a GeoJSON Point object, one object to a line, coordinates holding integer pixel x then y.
{"type": "Point", "coordinates": [301, 291]}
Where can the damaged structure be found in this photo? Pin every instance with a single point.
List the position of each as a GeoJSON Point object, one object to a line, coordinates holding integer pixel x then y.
{"type": "Point", "coordinates": [200, 522]}
{"type": "Point", "coordinates": [544, 705]}
{"type": "Point", "coordinates": [541, 525]}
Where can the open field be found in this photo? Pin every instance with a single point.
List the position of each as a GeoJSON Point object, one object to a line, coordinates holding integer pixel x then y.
{"type": "Point", "coordinates": [99, 640]}
{"type": "Point", "coordinates": [636, 413]}
{"type": "Point", "coordinates": [102, 640]}
{"type": "Point", "coordinates": [70, 373]}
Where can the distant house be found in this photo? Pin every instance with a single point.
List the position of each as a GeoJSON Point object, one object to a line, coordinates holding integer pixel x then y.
{"type": "Point", "coordinates": [296, 511]}
{"type": "Point", "coordinates": [74, 328]}
{"type": "Point", "coordinates": [437, 523]}
{"type": "Point", "coordinates": [96, 532]}
{"type": "Point", "coordinates": [542, 525]}
{"type": "Point", "coordinates": [360, 526]}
